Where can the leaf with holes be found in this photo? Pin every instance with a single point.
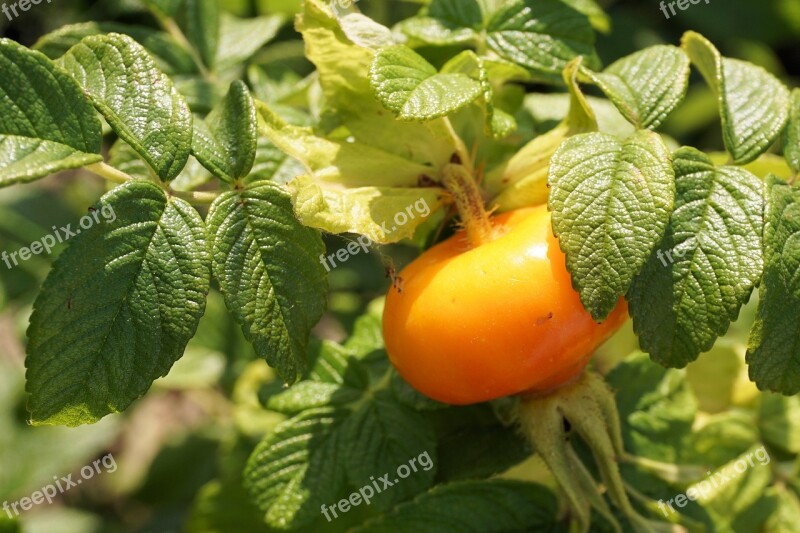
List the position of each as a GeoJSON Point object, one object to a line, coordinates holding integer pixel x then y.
{"type": "Point", "coordinates": [611, 201]}
{"type": "Point", "coordinates": [118, 307]}
{"type": "Point", "coordinates": [707, 264]}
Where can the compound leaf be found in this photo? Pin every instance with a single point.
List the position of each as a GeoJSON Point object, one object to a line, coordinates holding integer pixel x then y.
{"type": "Point", "coordinates": [408, 85]}
{"type": "Point", "coordinates": [707, 264]}
{"type": "Point", "coordinates": [46, 123]}
{"type": "Point", "coordinates": [611, 200]}
{"type": "Point", "coordinates": [118, 308]}
{"type": "Point", "coordinates": [773, 353]}
{"type": "Point", "coordinates": [645, 86]}
{"type": "Point", "coordinates": [269, 270]}
{"type": "Point", "coordinates": [225, 142]}
{"type": "Point", "coordinates": [139, 101]}
{"type": "Point", "coordinates": [753, 103]}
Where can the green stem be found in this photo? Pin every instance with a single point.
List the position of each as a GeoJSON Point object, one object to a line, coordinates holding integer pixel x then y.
{"type": "Point", "coordinates": [108, 172]}
{"type": "Point", "coordinates": [171, 27]}
{"type": "Point", "coordinates": [195, 197]}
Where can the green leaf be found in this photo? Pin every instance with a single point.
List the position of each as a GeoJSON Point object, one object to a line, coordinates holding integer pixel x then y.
{"type": "Point", "coordinates": [611, 200]}
{"type": "Point", "coordinates": [241, 38]}
{"type": "Point", "coordinates": [773, 354]}
{"type": "Point", "coordinates": [473, 506]}
{"type": "Point", "coordinates": [269, 270]}
{"type": "Point", "coordinates": [656, 407]}
{"type": "Point", "coordinates": [791, 144]}
{"type": "Point", "coordinates": [201, 22]}
{"type": "Point", "coordinates": [139, 102]}
{"type": "Point", "coordinates": [310, 394]}
{"type": "Point", "coordinates": [645, 86]}
{"type": "Point", "coordinates": [753, 103]}
{"type": "Point", "coordinates": [599, 19]}
{"type": "Point", "coordinates": [447, 22]}
{"type": "Point", "coordinates": [380, 437]}
{"type": "Point", "coordinates": [706, 265]}
{"type": "Point", "coordinates": [541, 35]}
{"type": "Point", "coordinates": [46, 123]}
{"type": "Point", "coordinates": [296, 469]}
{"type": "Point", "coordinates": [171, 56]}
{"type": "Point", "coordinates": [225, 142]}
{"type": "Point", "coordinates": [408, 85]}
{"type": "Point", "coordinates": [779, 421]}
{"type": "Point", "coordinates": [118, 307]}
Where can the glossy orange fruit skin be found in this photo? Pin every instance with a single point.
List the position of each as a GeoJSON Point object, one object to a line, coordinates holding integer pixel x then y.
{"type": "Point", "coordinates": [475, 324]}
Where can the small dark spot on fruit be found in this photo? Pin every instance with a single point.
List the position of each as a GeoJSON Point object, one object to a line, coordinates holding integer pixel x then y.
{"type": "Point", "coordinates": [455, 159]}
{"type": "Point", "coordinates": [548, 316]}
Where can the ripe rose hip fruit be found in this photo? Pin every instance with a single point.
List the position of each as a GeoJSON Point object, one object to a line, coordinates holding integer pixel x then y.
{"type": "Point", "coordinates": [471, 324]}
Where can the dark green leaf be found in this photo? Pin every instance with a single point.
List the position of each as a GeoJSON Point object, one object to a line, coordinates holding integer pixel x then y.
{"type": "Point", "coordinates": [139, 102]}
{"type": "Point", "coordinates": [706, 265]}
{"type": "Point", "coordinates": [201, 20]}
{"type": "Point", "coordinates": [296, 469]}
{"type": "Point", "coordinates": [118, 307]}
{"type": "Point", "coordinates": [171, 56]}
{"type": "Point", "coordinates": [611, 201]}
{"type": "Point", "coordinates": [46, 123]}
{"type": "Point", "coordinates": [473, 506]}
{"type": "Point", "coordinates": [225, 142]}
{"type": "Point", "coordinates": [380, 437]}
{"type": "Point", "coordinates": [656, 407]}
{"type": "Point", "coordinates": [773, 354]}
{"type": "Point", "coordinates": [310, 394]}
{"type": "Point", "coordinates": [541, 35]}
{"type": "Point", "coordinates": [447, 22]}
{"type": "Point", "coordinates": [269, 271]}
